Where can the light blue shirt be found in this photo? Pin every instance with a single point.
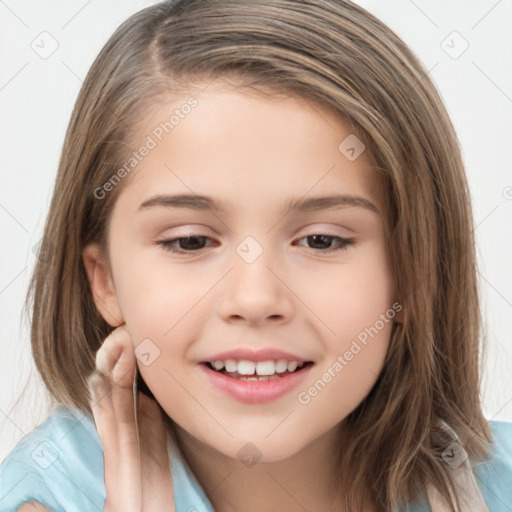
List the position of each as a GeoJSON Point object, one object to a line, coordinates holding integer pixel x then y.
{"type": "Point", "coordinates": [60, 464]}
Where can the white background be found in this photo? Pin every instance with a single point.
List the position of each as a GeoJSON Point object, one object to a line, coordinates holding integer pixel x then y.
{"type": "Point", "coordinates": [37, 95]}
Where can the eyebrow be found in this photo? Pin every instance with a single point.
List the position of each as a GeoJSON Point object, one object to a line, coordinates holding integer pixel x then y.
{"type": "Point", "coordinates": [300, 205]}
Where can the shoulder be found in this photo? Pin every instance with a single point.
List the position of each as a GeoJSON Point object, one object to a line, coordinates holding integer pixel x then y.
{"type": "Point", "coordinates": [494, 476]}
{"type": "Point", "coordinates": [59, 464]}
{"type": "Point", "coordinates": [502, 435]}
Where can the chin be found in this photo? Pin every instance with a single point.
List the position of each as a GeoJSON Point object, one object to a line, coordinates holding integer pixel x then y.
{"type": "Point", "coordinates": [265, 451]}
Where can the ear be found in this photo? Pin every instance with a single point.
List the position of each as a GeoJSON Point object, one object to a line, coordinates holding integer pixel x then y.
{"type": "Point", "coordinates": [102, 286]}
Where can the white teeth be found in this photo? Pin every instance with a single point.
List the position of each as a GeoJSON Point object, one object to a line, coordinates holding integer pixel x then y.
{"type": "Point", "coordinates": [218, 365]}
{"type": "Point", "coordinates": [281, 365]}
{"type": "Point", "coordinates": [246, 367]}
{"type": "Point", "coordinates": [261, 368]}
{"type": "Point", "coordinates": [292, 366]}
{"type": "Point", "coordinates": [265, 368]}
{"type": "Point", "coordinates": [230, 365]}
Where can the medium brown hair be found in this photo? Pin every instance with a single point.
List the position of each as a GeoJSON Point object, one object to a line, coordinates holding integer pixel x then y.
{"type": "Point", "coordinates": [336, 54]}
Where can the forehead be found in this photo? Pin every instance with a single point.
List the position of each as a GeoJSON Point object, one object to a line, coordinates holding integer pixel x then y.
{"type": "Point", "coordinates": [240, 145]}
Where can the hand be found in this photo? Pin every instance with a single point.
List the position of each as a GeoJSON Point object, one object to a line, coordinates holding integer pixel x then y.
{"type": "Point", "coordinates": [132, 484]}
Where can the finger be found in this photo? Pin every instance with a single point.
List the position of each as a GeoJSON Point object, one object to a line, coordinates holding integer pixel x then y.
{"type": "Point", "coordinates": [115, 361]}
{"type": "Point", "coordinates": [32, 506]}
{"type": "Point", "coordinates": [117, 351]}
{"type": "Point", "coordinates": [120, 450]}
{"type": "Point", "coordinates": [113, 410]}
{"type": "Point", "coordinates": [157, 490]}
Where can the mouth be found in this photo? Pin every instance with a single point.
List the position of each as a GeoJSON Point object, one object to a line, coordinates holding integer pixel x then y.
{"type": "Point", "coordinates": [253, 382]}
{"type": "Point", "coordinates": [257, 371]}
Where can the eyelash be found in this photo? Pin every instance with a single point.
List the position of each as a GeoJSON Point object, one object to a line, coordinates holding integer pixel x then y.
{"type": "Point", "coordinates": [167, 245]}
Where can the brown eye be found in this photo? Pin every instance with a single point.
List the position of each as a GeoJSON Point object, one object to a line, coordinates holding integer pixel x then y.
{"type": "Point", "coordinates": [324, 243]}
{"type": "Point", "coordinates": [318, 242]}
{"type": "Point", "coordinates": [188, 244]}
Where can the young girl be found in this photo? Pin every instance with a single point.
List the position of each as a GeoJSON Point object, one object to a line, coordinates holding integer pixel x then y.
{"type": "Point", "coordinates": [261, 216]}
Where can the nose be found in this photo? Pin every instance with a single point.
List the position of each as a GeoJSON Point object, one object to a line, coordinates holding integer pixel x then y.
{"type": "Point", "coordinates": [255, 293]}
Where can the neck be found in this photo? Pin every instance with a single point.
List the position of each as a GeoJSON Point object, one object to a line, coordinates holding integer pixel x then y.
{"type": "Point", "coordinates": [297, 483]}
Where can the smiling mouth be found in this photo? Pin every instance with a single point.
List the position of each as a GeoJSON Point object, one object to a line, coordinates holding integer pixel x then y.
{"type": "Point", "coordinates": [255, 377]}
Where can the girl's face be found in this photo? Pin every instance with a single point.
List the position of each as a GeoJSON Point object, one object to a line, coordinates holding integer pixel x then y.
{"type": "Point", "coordinates": [309, 284]}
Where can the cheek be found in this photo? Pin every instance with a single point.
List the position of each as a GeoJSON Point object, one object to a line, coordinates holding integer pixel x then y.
{"type": "Point", "coordinates": [367, 296]}
{"type": "Point", "coordinates": [349, 296]}
{"type": "Point", "coordinates": [157, 301]}
{"type": "Point", "coordinates": [354, 302]}
{"type": "Point", "coordinates": [162, 307]}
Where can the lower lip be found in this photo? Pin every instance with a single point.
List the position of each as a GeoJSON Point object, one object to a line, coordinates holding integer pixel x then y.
{"type": "Point", "coordinates": [254, 391]}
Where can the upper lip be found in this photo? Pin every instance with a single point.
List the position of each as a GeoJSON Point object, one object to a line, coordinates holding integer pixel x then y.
{"type": "Point", "coordinates": [249, 354]}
